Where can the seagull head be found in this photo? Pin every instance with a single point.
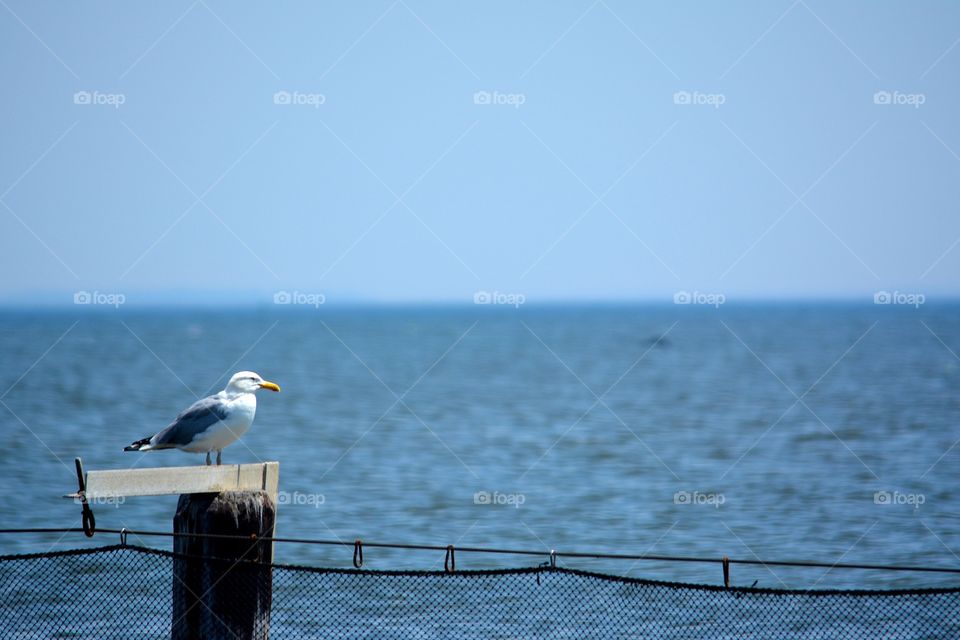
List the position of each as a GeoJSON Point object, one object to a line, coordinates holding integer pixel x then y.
{"type": "Point", "coordinates": [248, 382]}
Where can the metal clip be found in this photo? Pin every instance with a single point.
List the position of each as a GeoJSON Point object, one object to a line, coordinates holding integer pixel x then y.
{"type": "Point", "coordinates": [357, 553]}
{"type": "Point", "coordinates": [88, 520]}
{"type": "Point", "coordinates": [726, 571]}
{"type": "Point", "coordinates": [552, 563]}
{"type": "Point", "coordinates": [450, 560]}
{"type": "Point", "coordinates": [123, 537]}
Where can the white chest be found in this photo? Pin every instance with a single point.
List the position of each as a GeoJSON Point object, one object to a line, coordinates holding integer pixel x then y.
{"type": "Point", "coordinates": [241, 413]}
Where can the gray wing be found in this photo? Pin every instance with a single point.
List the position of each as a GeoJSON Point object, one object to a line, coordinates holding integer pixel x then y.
{"type": "Point", "coordinates": [196, 419]}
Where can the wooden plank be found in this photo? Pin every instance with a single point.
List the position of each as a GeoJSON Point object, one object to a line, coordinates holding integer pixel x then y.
{"type": "Point", "coordinates": [271, 481]}
{"type": "Point", "coordinates": [183, 480]}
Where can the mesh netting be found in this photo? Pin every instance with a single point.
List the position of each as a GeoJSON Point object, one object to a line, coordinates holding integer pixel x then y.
{"type": "Point", "coordinates": [128, 592]}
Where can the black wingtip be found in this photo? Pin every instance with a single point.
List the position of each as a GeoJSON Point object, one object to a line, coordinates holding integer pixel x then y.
{"type": "Point", "coordinates": [136, 445]}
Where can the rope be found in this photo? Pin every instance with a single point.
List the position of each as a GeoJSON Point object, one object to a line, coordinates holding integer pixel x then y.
{"type": "Point", "coordinates": [473, 573]}
{"type": "Point", "coordinates": [503, 551]}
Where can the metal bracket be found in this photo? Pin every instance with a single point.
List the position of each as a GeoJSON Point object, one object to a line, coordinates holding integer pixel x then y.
{"type": "Point", "coordinates": [87, 518]}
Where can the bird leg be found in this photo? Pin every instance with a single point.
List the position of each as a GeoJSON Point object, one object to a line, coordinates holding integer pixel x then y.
{"type": "Point", "coordinates": [208, 458]}
{"type": "Point", "coordinates": [219, 453]}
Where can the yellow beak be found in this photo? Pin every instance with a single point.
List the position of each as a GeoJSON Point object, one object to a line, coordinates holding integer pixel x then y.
{"type": "Point", "coordinates": [269, 385]}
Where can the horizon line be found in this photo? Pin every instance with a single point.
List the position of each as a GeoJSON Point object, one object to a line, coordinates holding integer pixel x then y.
{"type": "Point", "coordinates": [710, 300]}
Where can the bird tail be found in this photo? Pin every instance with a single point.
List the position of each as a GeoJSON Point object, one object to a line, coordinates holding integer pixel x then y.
{"type": "Point", "coordinates": [139, 445]}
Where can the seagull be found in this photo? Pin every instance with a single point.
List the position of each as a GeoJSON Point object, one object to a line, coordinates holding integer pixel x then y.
{"type": "Point", "coordinates": [214, 422]}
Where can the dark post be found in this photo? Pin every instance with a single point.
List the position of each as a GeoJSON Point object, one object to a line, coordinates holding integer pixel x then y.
{"type": "Point", "coordinates": [228, 598]}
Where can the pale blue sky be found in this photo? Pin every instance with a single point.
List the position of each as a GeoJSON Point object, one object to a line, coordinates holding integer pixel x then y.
{"type": "Point", "coordinates": [399, 186]}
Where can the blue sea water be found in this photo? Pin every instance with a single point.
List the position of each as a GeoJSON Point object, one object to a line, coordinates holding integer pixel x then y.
{"type": "Point", "coordinates": [807, 431]}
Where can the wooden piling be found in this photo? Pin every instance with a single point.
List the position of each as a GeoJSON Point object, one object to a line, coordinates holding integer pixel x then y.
{"type": "Point", "coordinates": [212, 599]}
{"type": "Point", "coordinates": [228, 598]}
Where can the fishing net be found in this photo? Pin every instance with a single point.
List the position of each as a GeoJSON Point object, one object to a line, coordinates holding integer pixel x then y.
{"type": "Point", "coordinates": [127, 591]}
